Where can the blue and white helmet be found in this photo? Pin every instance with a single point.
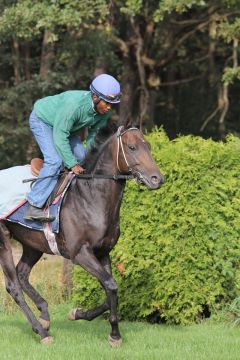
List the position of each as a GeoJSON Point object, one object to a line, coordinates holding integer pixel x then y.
{"type": "Point", "coordinates": [107, 88]}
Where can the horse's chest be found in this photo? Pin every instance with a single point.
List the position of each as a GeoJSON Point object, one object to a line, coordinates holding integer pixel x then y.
{"type": "Point", "coordinates": [102, 218]}
{"type": "Point", "coordinates": [105, 232]}
{"type": "Point", "coordinates": [101, 226]}
{"type": "Point", "coordinates": [105, 245]}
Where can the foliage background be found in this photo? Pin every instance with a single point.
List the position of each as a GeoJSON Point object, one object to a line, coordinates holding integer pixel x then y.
{"type": "Point", "coordinates": [178, 257]}
{"type": "Point", "coordinates": [177, 61]}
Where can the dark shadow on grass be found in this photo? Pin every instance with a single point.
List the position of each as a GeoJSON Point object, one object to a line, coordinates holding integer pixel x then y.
{"type": "Point", "coordinates": [98, 328]}
{"type": "Point", "coordinates": [22, 326]}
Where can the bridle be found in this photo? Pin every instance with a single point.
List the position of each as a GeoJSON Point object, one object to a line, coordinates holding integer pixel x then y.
{"type": "Point", "coordinates": [120, 133]}
{"type": "Point", "coordinates": [131, 170]}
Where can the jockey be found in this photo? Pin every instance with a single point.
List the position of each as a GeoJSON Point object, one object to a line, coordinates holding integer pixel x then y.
{"type": "Point", "coordinates": [54, 122]}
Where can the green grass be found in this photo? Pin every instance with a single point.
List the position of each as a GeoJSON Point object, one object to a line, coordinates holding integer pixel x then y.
{"type": "Point", "coordinates": [88, 340]}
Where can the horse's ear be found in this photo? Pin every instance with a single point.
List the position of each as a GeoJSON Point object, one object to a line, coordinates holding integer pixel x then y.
{"type": "Point", "coordinates": [128, 122]}
{"type": "Point", "coordinates": [125, 122]}
{"type": "Point", "coordinates": [137, 122]}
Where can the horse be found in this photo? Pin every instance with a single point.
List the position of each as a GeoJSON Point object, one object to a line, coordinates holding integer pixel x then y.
{"type": "Point", "coordinates": [89, 227]}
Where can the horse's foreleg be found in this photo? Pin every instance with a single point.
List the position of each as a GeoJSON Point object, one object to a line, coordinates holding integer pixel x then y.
{"type": "Point", "coordinates": [14, 289]}
{"type": "Point", "coordinates": [29, 258]}
{"type": "Point", "coordinates": [90, 263]}
{"type": "Point", "coordinates": [112, 302]}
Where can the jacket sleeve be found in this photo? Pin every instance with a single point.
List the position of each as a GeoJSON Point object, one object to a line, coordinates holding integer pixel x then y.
{"type": "Point", "coordinates": [61, 132]}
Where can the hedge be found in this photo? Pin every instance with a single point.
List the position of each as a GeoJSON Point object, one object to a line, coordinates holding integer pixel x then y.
{"type": "Point", "coordinates": [178, 256]}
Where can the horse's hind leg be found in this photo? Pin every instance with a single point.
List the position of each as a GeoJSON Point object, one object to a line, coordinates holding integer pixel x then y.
{"type": "Point", "coordinates": [14, 289]}
{"type": "Point", "coordinates": [29, 258]}
{"type": "Point", "coordinates": [78, 314]}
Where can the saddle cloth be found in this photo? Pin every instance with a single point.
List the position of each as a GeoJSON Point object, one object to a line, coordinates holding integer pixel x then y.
{"type": "Point", "coordinates": [13, 203]}
{"type": "Point", "coordinates": [13, 191]}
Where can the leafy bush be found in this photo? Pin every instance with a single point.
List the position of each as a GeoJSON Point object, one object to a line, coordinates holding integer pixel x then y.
{"type": "Point", "coordinates": [179, 250]}
{"type": "Point", "coordinates": [234, 309]}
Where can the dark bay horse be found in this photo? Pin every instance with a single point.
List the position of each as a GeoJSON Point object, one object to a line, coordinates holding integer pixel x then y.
{"type": "Point", "coordinates": [89, 227]}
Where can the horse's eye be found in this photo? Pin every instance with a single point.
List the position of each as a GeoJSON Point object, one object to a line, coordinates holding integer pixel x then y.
{"type": "Point", "coordinates": [132, 147]}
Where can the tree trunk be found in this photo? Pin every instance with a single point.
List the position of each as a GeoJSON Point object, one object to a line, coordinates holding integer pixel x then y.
{"type": "Point", "coordinates": [27, 61]}
{"type": "Point", "coordinates": [144, 94]}
{"type": "Point", "coordinates": [128, 82]}
{"type": "Point", "coordinates": [47, 55]}
{"type": "Point", "coordinates": [171, 100]}
{"type": "Point", "coordinates": [151, 110]}
{"type": "Point", "coordinates": [67, 276]}
{"type": "Point", "coordinates": [100, 67]}
{"type": "Point", "coordinates": [16, 61]}
{"type": "Point", "coordinates": [211, 52]}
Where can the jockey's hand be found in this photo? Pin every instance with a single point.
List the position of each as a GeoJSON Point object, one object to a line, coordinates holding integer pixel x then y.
{"type": "Point", "coordinates": [77, 169]}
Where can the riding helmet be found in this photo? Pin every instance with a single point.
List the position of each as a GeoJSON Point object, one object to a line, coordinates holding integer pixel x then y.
{"type": "Point", "coordinates": [107, 88]}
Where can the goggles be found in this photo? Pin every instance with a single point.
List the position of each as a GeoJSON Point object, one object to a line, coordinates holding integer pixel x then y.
{"type": "Point", "coordinates": [108, 98]}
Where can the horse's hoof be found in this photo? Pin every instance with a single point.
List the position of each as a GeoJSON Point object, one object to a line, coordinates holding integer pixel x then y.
{"type": "Point", "coordinates": [116, 343]}
{"type": "Point", "coordinates": [45, 323]}
{"type": "Point", "coordinates": [72, 314]}
{"type": "Point", "coordinates": [47, 340]}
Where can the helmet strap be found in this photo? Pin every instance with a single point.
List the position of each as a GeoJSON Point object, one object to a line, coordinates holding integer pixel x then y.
{"type": "Point", "coordinates": [95, 99]}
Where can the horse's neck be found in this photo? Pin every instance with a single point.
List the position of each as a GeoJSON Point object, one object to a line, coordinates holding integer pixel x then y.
{"type": "Point", "coordinates": [106, 164]}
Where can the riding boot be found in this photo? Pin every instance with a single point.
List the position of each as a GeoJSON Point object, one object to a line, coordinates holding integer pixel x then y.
{"type": "Point", "coordinates": [35, 213]}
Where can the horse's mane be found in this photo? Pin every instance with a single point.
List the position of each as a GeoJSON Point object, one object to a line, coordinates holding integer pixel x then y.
{"type": "Point", "coordinates": [98, 144]}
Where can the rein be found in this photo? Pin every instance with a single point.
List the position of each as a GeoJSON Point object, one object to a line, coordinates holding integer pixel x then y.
{"type": "Point", "coordinates": [115, 177]}
{"type": "Point", "coordinates": [105, 176]}
{"type": "Point", "coordinates": [87, 176]}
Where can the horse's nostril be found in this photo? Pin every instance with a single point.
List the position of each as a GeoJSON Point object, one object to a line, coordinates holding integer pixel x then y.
{"type": "Point", "coordinates": [155, 179]}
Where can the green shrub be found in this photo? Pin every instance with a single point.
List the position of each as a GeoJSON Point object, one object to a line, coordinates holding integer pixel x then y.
{"type": "Point", "coordinates": [179, 250]}
{"type": "Point", "coordinates": [234, 310]}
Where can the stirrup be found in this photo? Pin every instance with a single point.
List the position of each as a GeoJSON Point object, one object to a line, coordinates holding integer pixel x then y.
{"type": "Point", "coordinates": [34, 213]}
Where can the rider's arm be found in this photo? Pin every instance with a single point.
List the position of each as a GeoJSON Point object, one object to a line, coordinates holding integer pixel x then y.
{"type": "Point", "coordinates": [61, 132]}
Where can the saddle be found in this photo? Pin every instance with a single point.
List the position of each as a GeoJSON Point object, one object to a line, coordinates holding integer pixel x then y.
{"type": "Point", "coordinates": [36, 165]}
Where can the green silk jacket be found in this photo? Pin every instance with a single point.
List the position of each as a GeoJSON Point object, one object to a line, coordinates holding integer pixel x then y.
{"type": "Point", "coordinates": [67, 113]}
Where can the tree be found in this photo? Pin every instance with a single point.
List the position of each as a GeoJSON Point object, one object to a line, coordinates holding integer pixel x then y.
{"type": "Point", "coordinates": [177, 61]}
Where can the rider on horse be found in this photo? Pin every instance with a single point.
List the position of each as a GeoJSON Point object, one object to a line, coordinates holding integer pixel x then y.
{"type": "Point", "coordinates": [54, 122]}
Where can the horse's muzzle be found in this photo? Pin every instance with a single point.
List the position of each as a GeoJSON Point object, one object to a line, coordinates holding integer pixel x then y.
{"type": "Point", "coordinates": [156, 181]}
{"type": "Point", "coordinates": [152, 182]}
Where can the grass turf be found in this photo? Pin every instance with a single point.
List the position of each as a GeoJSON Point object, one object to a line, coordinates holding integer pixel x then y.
{"type": "Point", "coordinates": [88, 340]}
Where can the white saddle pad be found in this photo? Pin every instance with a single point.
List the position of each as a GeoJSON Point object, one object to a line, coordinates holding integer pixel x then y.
{"type": "Point", "coordinates": [13, 191]}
